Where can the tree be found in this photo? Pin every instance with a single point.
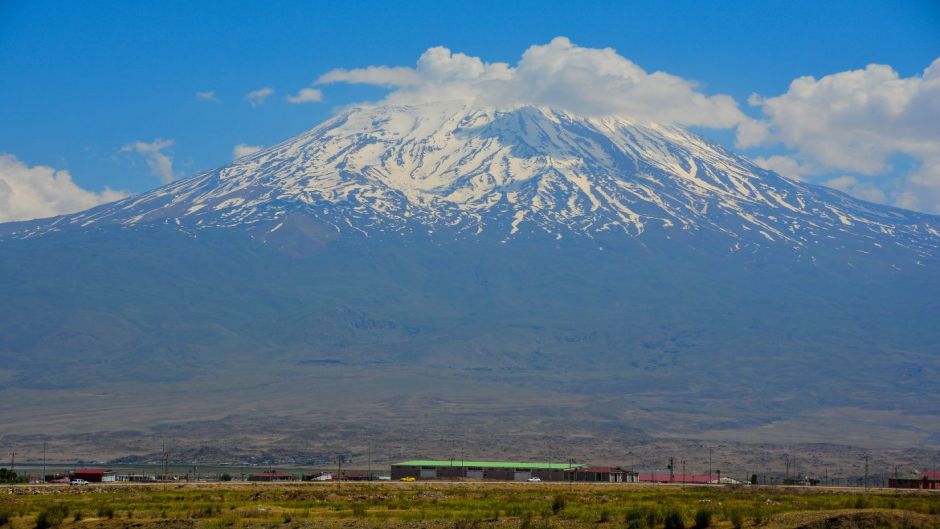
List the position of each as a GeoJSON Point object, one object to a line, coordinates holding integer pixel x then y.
{"type": "Point", "coordinates": [8, 476]}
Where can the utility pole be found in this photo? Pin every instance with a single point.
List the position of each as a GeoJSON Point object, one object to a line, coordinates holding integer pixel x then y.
{"type": "Point", "coordinates": [709, 463]}
{"type": "Point", "coordinates": [43, 461]}
{"type": "Point", "coordinates": [369, 474]}
{"type": "Point", "coordinates": [683, 470]}
{"type": "Point", "coordinates": [12, 461]}
{"type": "Point", "coordinates": [866, 471]}
{"type": "Point", "coordinates": [166, 463]}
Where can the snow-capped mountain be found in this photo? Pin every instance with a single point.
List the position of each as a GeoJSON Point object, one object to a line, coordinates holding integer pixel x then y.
{"type": "Point", "coordinates": [472, 254]}
{"type": "Point", "coordinates": [455, 169]}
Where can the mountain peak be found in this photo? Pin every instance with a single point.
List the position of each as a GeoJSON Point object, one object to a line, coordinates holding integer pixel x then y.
{"type": "Point", "coordinates": [515, 170]}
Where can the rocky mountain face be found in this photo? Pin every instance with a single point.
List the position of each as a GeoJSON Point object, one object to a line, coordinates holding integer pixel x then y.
{"type": "Point", "coordinates": [444, 256]}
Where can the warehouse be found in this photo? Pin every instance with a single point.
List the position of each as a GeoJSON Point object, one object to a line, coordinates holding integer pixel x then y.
{"type": "Point", "coordinates": [496, 470]}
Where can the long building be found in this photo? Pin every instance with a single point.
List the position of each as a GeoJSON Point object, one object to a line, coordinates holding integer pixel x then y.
{"type": "Point", "coordinates": [496, 470]}
{"type": "Point", "coordinates": [924, 480]}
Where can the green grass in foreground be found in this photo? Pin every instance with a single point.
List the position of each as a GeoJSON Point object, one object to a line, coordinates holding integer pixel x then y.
{"type": "Point", "coordinates": [461, 505]}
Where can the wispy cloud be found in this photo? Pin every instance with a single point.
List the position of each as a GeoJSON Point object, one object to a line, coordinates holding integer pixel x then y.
{"type": "Point", "coordinates": [306, 95]}
{"type": "Point", "coordinates": [159, 162]}
{"type": "Point", "coordinates": [243, 149]}
{"type": "Point", "coordinates": [259, 96]}
{"type": "Point", "coordinates": [42, 191]}
{"type": "Point", "coordinates": [208, 97]}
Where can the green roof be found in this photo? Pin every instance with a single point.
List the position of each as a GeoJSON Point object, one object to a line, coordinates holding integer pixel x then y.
{"type": "Point", "coordinates": [487, 464]}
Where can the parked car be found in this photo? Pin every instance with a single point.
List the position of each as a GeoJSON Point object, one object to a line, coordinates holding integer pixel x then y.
{"type": "Point", "coordinates": [534, 479]}
{"type": "Point", "coordinates": [78, 482]}
{"type": "Point", "coordinates": [407, 478]}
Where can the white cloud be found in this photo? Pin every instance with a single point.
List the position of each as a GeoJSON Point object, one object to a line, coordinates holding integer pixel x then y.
{"type": "Point", "coordinates": [306, 95]}
{"type": "Point", "coordinates": [378, 75]}
{"type": "Point", "coordinates": [159, 162]}
{"type": "Point", "coordinates": [41, 191]}
{"type": "Point", "coordinates": [243, 149]}
{"type": "Point", "coordinates": [785, 166]}
{"type": "Point", "coordinates": [857, 121]}
{"type": "Point", "coordinates": [861, 190]}
{"type": "Point", "coordinates": [209, 97]}
{"type": "Point", "coordinates": [257, 97]}
{"type": "Point", "coordinates": [559, 74]}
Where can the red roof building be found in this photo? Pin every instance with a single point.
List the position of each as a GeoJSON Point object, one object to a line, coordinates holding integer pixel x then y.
{"type": "Point", "coordinates": [93, 475]}
{"type": "Point", "coordinates": [269, 476]}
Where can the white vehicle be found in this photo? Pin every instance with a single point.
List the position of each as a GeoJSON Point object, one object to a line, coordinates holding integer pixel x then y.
{"type": "Point", "coordinates": [78, 482]}
{"type": "Point", "coordinates": [534, 479]}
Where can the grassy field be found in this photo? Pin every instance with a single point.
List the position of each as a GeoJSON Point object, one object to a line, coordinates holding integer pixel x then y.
{"type": "Point", "coordinates": [461, 505]}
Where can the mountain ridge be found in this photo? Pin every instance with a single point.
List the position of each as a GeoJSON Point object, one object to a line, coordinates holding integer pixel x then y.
{"type": "Point", "coordinates": [462, 170]}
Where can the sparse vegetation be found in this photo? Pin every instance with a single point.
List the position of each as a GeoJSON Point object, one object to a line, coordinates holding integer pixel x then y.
{"type": "Point", "coordinates": [52, 516]}
{"type": "Point", "coordinates": [461, 505]}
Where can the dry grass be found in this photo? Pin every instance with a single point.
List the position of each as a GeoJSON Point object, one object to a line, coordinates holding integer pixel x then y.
{"type": "Point", "coordinates": [461, 505]}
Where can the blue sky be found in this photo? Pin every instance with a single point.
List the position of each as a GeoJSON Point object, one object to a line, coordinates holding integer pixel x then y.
{"type": "Point", "coordinates": [90, 87]}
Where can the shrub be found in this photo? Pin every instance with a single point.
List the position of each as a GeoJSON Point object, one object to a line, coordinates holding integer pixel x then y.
{"type": "Point", "coordinates": [635, 517]}
{"type": "Point", "coordinates": [77, 516]}
{"type": "Point", "coordinates": [558, 504]}
{"type": "Point", "coordinates": [737, 520]}
{"type": "Point", "coordinates": [106, 511]}
{"type": "Point", "coordinates": [604, 517]}
{"type": "Point", "coordinates": [759, 517]}
{"type": "Point", "coordinates": [673, 520]}
{"type": "Point", "coordinates": [5, 517]}
{"type": "Point", "coordinates": [703, 519]}
{"type": "Point", "coordinates": [862, 502]}
{"type": "Point", "coordinates": [466, 523]}
{"type": "Point", "coordinates": [51, 516]}
{"type": "Point", "coordinates": [359, 510]}
{"type": "Point", "coordinates": [225, 477]}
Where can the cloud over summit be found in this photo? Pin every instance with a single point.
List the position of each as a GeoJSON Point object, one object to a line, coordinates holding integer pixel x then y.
{"type": "Point", "coordinates": [846, 129]}
{"type": "Point", "coordinates": [559, 74]}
